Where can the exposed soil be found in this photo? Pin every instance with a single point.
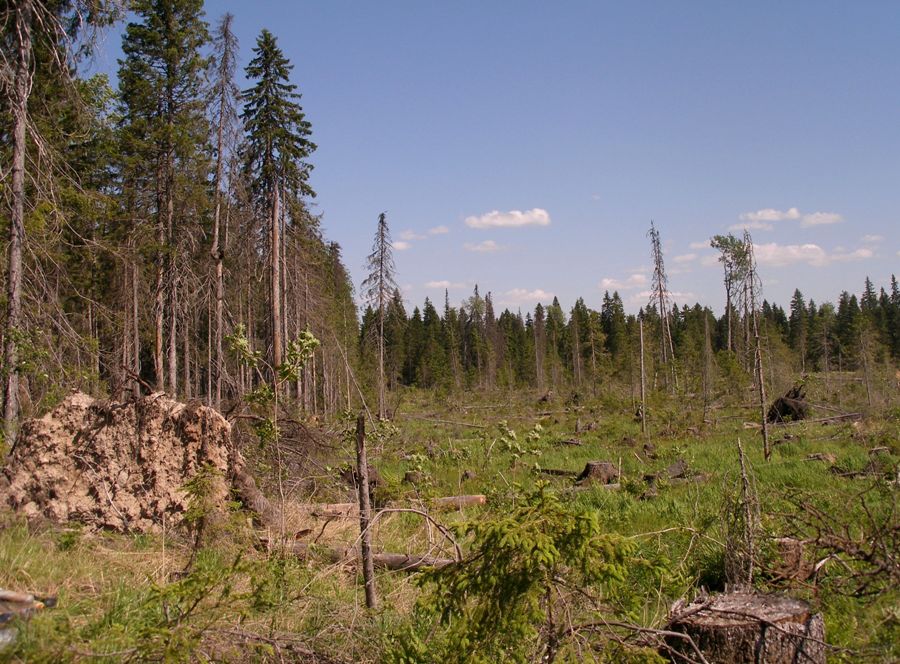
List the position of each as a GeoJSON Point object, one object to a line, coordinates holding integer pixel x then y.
{"type": "Point", "coordinates": [119, 466]}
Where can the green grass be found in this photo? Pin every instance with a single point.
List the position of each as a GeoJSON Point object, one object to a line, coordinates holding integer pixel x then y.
{"type": "Point", "coordinates": [116, 593]}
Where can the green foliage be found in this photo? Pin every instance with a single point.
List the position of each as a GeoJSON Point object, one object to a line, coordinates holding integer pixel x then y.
{"type": "Point", "coordinates": [239, 344]}
{"type": "Point", "coordinates": [298, 352]}
{"type": "Point", "coordinates": [494, 605]}
{"type": "Point", "coordinates": [162, 622]}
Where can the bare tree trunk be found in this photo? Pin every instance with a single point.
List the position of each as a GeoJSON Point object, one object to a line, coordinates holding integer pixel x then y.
{"type": "Point", "coordinates": [707, 367]}
{"type": "Point", "coordinates": [172, 278]}
{"type": "Point", "coordinates": [186, 350]}
{"type": "Point", "coordinates": [365, 513]}
{"type": "Point", "coordinates": [19, 109]}
{"type": "Point", "coordinates": [275, 277]}
{"type": "Point", "coordinates": [728, 344]}
{"type": "Point", "coordinates": [381, 392]}
{"type": "Point", "coordinates": [135, 328]}
{"type": "Point", "coordinates": [864, 352]}
{"type": "Point", "coordinates": [760, 376]}
{"type": "Point", "coordinates": [643, 387]}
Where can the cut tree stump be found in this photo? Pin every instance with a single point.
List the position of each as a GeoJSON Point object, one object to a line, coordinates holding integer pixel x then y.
{"type": "Point", "coordinates": [749, 628]}
{"type": "Point", "coordinates": [602, 472]}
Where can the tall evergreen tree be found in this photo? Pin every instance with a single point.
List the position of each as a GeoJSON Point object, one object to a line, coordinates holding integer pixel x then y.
{"type": "Point", "coordinates": [161, 80]}
{"type": "Point", "coordinates": [799, 328]}
{"type": "Point", "coordinates": [377, 289]}
{"type": "Point", "coordinates": [277, 149]}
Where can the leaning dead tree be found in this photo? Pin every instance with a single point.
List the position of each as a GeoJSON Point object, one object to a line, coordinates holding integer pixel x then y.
{"type": "Point", "coordinates": [752, 287]}
{"type": "Point", "coordinates": [659, 297]}
{"type": "Point", "coordinates": [39, 39]}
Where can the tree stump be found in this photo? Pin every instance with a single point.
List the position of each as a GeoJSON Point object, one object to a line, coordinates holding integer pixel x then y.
{"type": "Point", "coordinates": [749, 628]}
{"type": "Point", "coordinates": [602, 472]}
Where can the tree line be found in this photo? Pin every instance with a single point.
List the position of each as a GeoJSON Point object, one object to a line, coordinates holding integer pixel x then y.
{"type": "Point", "coordinates": [475, 346]}
{"type": "Point", "coordinates": [154, 221]}
{"type": "Point", "coordinates": [150, 218]}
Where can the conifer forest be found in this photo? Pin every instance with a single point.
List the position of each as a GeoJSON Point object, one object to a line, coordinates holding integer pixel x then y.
{"type": "Point", "coordinates": [224, 440]}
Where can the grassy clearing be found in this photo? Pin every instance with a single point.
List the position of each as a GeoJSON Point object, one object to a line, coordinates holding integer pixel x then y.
{"type": "Point", "coordinates": [122, 598]}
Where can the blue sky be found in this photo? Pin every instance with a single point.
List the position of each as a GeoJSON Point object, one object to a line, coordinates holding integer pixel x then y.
{"type": "Point", "coordinates": [526, 145]}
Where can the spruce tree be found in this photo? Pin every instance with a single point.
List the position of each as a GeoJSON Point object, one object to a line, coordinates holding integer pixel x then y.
{"type": "Point", "coordinates": [275, 159]}
{"type": "Point", "coordinates": [161, 81]}
{"type": "Point", "coordinates": [799, 328]}
{"type": "Point", "coordinates": [377, 289]}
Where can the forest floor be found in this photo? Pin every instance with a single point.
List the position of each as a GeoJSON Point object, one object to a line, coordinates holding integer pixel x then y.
{"type": "Point", "coordinates": [129, 598]}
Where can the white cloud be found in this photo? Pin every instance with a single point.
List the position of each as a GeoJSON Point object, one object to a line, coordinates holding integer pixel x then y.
{"type": "Point", "coordinates": [699, 245]}
{"type": "Point", "coordinates": [762, 219]}
{"type": "Point", "coordinates": [411, 235]}
{"type": "Point", "coordinates": [752, 225]}
{"type": "Point", "coordinates": [596, 197]}
{"type": "Point", "coordinates": [634, 281]}
{"type": "Point", "coordinates": [438, 230]}
{"type": "Point", "coordinates": [709, 260]}
{"type": "Point", "coordinates": [444, 283]}
{"type": "Point", "coordinates": [855, 255]}
{"type": "Point", "coordinates": [486, 247]}
{"type": "Point", "coordinates": [872, 239]}
{"type": "Point", "coordinates": [685, 258]}
{"type": "Point", "coordinates": [518, 296]}
{"type": "Point", "coordinates": [821, 219]}
{"type": "Point", "coordinates": [775, 254]}
{"type": "Point", "coordinates": [511, 219]}
{"type": "Point", "coordinates": [402, 245]}
{"type": "Point", "coordinates": [770, 214]}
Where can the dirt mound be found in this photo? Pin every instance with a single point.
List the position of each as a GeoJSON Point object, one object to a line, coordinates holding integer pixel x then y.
{"type": "Point", "coordinates": [118, 466]}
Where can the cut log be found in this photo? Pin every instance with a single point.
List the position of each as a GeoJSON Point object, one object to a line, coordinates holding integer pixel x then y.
{"type": "Point", "coordinates": [458, 502]}
{"type": "Point", "coordinates": [558, 472]}
{"type": "Point", "coordinates": [846, 417]}
{"type": "Point", "coordinates": [351, 510]}
{"type": "Point", "coordinates": [602, 472]}
{"type": "Point", "coordinates": [245, 486]}
{"type": "Point", "coordinates": [398, 562]}
{"type": "Point", "coordinates": [827, 457]}
{"type": "Point", "coordinates": [749, 628]}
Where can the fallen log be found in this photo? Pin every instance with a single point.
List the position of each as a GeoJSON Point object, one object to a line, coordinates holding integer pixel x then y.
{"type": "Point", "coordinates": [458, 502]}
{"type": "Point", "coordinates": [348, 510]}
{"type": "Point", "coordinates": [558, 472]}
{"type": "Point", "coordinates": [747, 628]}
{"type": "Point", "coordinates": [396, 562]}
{"type": "Point", "coordinates": [844, 417]}
{"type": "Point", "coordinates": [437, 420]}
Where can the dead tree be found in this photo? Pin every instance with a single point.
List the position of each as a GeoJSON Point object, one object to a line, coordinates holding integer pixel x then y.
{"type": "Point", "coordinates": [659, 296]}
{"type": "Point", "coordinates": [752, 288]}
{"type": "Point", "coordinates": [365, 513]}
{"type": "Point", "coordinates": [643, 387]}
{"type": "Point", "coordinates": [18, 105]}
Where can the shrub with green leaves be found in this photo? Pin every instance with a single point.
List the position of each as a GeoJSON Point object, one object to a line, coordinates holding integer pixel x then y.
{"type": "Point", "coordinates": [505, 601]}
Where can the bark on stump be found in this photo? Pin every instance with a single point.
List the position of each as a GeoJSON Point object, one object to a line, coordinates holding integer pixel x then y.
{"type": "Point", "coordinates": [602, 472]}
{"type": "Point", "coordinates": [749, 628]}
